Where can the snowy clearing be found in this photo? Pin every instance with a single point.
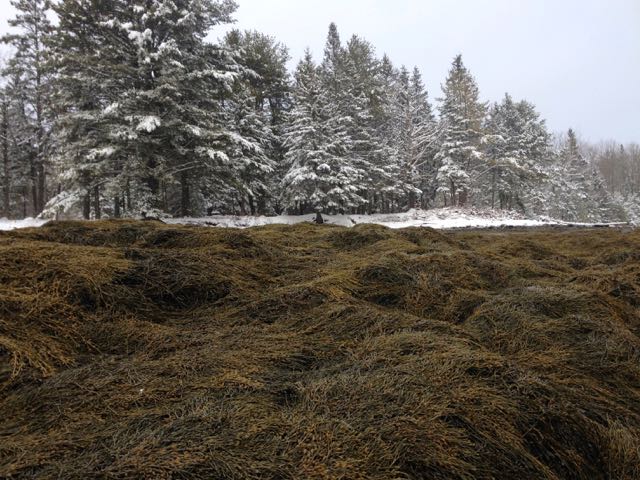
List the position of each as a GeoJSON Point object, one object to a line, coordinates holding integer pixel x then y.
{"type": "Point", "coordinates": [6, 224]}
{"type": "Point", "coordinates": [441, 219]}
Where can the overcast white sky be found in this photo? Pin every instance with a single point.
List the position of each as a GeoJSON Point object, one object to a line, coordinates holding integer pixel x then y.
{"type": "Point", "coordinates": [577, 60]}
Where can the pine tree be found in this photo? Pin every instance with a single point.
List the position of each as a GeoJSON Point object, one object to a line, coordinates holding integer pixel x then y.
{"type": "Point", "coordinates": [333, 71]}
{"type": "Point", "coordinates": [267, 59]}
{"type": "Point", "coordinates": [251, 158]}
{"type": "Point", "coordinates": [358, 98]}
{"type": "Point", "coordinates": [327, 156]}
{"type": "Point", "coordinates": [516, 147]}
{"type": "Point", "coordinates": [268, 84]}
{"type": "Point", "coordinates": [16, 147]}
{"type": "Point", "coordinates": [606, 208]}
{"type": "Point", "coordinates": [577, 189]}
{"type": "Point", "coordinates": [29, 64]}
{"type": "Point", "coordinates": [156, 116]}
{"type": "Point", "coordinates": [385, 164]}
{"type": "Point", "coordinates": [462, 116]}
{"type": "Point", "coordinates": [416, 137]}
{"type": "Point", "coordinates": [95, 62]}
{"type": "Point", "coordinates": [303, 139]}
{"type": "Point", "coordinates": [319, 176]}
{"type": "Point", "coordinates": [7, 174]}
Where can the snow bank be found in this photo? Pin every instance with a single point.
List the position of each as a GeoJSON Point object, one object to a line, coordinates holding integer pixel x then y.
{"type": "Point", "coordinates": [444, 218]}
{"type": "Point", "coordinates": [6, 224]}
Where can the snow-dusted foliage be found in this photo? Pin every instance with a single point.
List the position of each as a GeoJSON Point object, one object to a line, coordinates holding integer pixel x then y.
{"type": "Point", "coordinates": [576, 190]}
{"type": "Point", "coordinates": [320, 176]}
{"type": "Point", "coordinates": [126, 108]}
{"type": "Point", "coordinates": [27, 109]}
{"type": "Point", "coordinates": [460, 156]}
{"type": "Point", "coordinates": [516, 152]}
{"type": "Point", "coordinates": [415, 139]}
{"type": "Point", "coordinates": [150, 126]}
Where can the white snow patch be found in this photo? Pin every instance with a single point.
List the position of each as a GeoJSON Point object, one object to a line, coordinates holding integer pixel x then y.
{"type": "Point", "coordinates": [443, 218]}
{"type": "Point", "coordinates": [149, 124]}
{"type": "Point", "coordinates": [6, 224]}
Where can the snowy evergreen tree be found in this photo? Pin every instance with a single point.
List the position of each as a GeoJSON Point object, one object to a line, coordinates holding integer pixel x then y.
{"type": "Point", "coordinates": [386, 164]}
{"type": "Point", "coordinates": [17, 147]}
{"type": "Point", "coordinates": [268, 84]}
{"type": "Point", "coordinates": [157, 119]}
{"type": "Point", "coordinates": [359, 95]}
{"type": "Point", "coordinates": [619, 166]}
{"type": "Point", "coordinates": [15, 152]}
{"type": "Point", "coordinates": [415, 138]}
{"type": "Point", "coordinates": [151, 118]}
{"type": "Point", "coordinates": [7, 167]}
{"type": "Point", "coordinates": [32, 30]}
{"type": "Point", "coordinates": [251, 157]}
{"type": "Point", "coordinates": [460, 155]}
{"type": "Point", "coordinates": [267, 58]}
{"type": "Point", "coordinates": [577, 189]}
{"type": "Point", "coordinates": [328, 155]}
{"type": "Point", "coordinates": [517, 147]}
{"type": "Point", "coordinates": [320, 177]}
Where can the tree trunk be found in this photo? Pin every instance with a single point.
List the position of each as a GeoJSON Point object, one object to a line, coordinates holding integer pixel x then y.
{"type": "Point", "coordinates": [127, 195]}
{"type": "Point", "coordinates": [412, 200]}
{"type": "Point", "coordinates": [96, 202]}
{"type": "Point", "coordinates": [116, 207]}
{"type": "Point", "coordinates": [42, 186]}
{"type": "Point", "coordinates": [453, 194]}
{"type": "Point", "coordinates": [86, 206]}
{"type": "Point", "coordinates": [24, 201]}
{"type": "Point", "coordinates": [33, 173]}
{"type": "Point", "coordinates": [243, 209]}
{"type": "Point", "coordinates": [252, 204]}
{"type": "Point", "coordinates": [40, 160]}
{"type": "Point", "coordinates": [165, 197]}
{"type": "Point", "coordinates": [493, 190]}
{"type": "Point", "coordinates": [185, 197]}
{"type": "Point", "coordinates": [5, 160]}
{"type": "Point", "coordinates": [153, 184]}
{"type": "Point", "coordinates": [262, 206]}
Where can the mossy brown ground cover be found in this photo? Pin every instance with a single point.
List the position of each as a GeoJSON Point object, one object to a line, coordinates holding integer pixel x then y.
{"type": "Point", "coordinates": [140, 350]}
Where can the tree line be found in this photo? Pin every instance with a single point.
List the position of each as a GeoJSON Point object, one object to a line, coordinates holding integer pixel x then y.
{"type": "Point", "coordinates": [124, 108]}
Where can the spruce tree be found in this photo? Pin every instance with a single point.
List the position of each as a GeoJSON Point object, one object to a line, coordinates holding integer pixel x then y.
{"type": "Point", "coordinates": [577, 189]}
{"type": "Point", "coordinates": [17, 147]}
{"type": "Point", "coordinates": [267, 59]}
{"type": "Point", "coordinates": [516, 147]}
{"type": "Point", "coordinates": [359, 96]}
{"type": "Point", "coordinates": [267, 84]}
{"type": "Point", "coordinates": [29, 63]}
{"type": "Point", "coordinates": [320, 177]}
{"type": "Point", "coordinates": [416, 137]}
{"type": "Point", "coordinates": [462, 115]}
{"type": "Point", "coordinates": [327, 155]}
{"type": "Point", "coordinates": [7, 174]}
{"type": "Point", "coordinates": [385, 164]}
{"type": "Point", "coordinates": [251, 158]}
{"type": "Point", "coordinates": [144, 97]}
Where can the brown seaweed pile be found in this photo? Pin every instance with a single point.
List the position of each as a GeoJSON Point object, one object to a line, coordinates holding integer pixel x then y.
{"type": "Point", "coordinates": [141, 350]}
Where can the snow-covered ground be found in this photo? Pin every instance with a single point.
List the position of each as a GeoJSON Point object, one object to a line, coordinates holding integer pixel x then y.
{"type": "Point", "coordinates": [443, 218]}
{"type": "Point", "coordinates": [27, 222]}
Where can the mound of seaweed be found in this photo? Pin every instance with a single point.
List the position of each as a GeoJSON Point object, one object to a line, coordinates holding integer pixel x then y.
{"type": "Point", "coordinates": [141, 350]}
